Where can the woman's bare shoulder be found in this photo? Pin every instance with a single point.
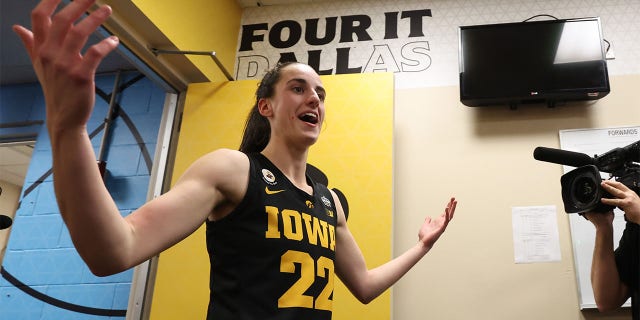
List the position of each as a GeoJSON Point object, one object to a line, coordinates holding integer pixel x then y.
{"type": "Point", "coordinates": [221, 163]}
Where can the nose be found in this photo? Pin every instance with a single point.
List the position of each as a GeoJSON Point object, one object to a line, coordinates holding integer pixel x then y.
{"type": "Point", "coordinates": [314, 98]}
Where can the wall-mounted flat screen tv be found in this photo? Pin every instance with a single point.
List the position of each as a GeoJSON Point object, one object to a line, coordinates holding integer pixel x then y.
{"type": "Point", "coordinates": [546, 61]}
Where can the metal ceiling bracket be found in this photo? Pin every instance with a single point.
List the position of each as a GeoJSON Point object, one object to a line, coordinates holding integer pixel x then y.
{"type": "Point", "coordinates": [212, 54]}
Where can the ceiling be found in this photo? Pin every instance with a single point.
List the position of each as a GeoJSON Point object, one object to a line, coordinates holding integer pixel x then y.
{"type": "Point", "coordinates": [15, 68]}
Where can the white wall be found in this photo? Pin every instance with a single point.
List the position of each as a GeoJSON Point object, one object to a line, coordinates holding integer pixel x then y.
{"type": "Point", "coordinates": [484, 157]}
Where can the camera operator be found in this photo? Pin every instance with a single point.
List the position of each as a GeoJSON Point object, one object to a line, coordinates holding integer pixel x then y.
{"type": "Point", "coordinates": [615, 274]}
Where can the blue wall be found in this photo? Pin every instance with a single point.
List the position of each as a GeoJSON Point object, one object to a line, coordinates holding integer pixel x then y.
{"type": "Point", "coordinates": [43, 277]}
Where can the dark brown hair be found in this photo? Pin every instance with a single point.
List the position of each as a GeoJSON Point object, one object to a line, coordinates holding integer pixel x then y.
{"type": "Point", "coordinates": [257, 130]}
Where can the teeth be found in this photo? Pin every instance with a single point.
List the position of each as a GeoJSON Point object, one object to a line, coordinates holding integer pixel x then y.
{"type": "Point", "coordinates": [309, 117]}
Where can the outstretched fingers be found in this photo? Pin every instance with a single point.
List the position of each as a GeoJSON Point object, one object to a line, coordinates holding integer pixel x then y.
{"type": "Point", "coordinates": [55, 46]}
{"type": "Point", "coordinates": [96, 53]}
{"type": "Point", "coordinates": [444, 219]}
{"type": "Point", "coordinates": [63, 21]}
{"type": "Point", "coordinates": [27, 38]}
{"type": "Point", "coordinates": [432, 229]}
{"type": "Point", "coordinates": [41, 19]}
{"type": "Point", "coordinates": [62, 35]}
{"type": "Point", "coordinates": [450, 210]}
{"type": "Point", "coordinates": [57, 38]}
{"type": "Point", "coordinates": [77, 35]}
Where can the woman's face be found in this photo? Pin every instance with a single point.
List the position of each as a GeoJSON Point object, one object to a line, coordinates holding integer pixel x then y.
{"type": "Point", "coordinates": [296, 110]}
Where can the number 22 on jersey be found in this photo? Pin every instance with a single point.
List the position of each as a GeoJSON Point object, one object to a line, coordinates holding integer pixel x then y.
{"type": "Point", "coordinates": [309, 269]}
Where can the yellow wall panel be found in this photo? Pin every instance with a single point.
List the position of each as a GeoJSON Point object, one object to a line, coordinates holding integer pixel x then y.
{"type": "Point", "coordinates": [199, 25]}
{"type": "Point", "coordinates": [354, 151]}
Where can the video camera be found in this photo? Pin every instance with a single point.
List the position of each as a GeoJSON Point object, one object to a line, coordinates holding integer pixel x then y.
{"type": "Point", "coordinates": [581, 190]}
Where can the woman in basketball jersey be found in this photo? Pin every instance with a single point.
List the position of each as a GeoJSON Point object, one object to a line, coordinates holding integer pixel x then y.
{"type": "Point", "coordinates": [262, 266]}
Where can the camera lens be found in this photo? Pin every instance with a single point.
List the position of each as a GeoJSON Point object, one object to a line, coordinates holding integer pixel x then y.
{"type": "Point", "coordinates": [584, 190]}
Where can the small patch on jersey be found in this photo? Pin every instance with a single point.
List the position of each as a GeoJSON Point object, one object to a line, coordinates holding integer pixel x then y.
{"type": "Point", "coordinates": [327, 202]}
{"type": "Point", "coordinates": [309, 204]}
{"type": "Point", "coordinates": [329, 212]}
{"type": "Point", "coordinates": [268, 177]}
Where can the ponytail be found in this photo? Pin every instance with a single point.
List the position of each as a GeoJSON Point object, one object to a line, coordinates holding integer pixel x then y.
{"type": "Point", "coordinates": [257, 130]}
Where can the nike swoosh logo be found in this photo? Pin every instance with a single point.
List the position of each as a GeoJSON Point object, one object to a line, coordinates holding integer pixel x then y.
{"type": "Point", "coordinates": [267, 191]}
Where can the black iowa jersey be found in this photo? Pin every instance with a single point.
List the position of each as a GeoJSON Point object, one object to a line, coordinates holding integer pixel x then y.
{"type": "Point", "coordinates": [272, 256]}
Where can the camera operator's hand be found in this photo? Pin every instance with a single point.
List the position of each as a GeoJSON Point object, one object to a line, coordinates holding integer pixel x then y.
{"type": "Point", "coordinates": [600, 219]}
{"type": "Point", "coordinates": [624, 198]}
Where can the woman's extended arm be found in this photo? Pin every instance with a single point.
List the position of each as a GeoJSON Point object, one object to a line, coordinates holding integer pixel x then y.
{"type": "Point", "coordinates": [367, 284]}
{"type": "Point", "coordinates": [107, 242]}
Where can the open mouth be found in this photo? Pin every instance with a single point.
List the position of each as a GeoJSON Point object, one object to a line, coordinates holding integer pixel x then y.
{"type": "Point", "coordinates": [309, 117]}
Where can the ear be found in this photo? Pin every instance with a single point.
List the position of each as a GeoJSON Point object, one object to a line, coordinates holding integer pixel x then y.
{"type": "Point", "coordinates": [264, 107]}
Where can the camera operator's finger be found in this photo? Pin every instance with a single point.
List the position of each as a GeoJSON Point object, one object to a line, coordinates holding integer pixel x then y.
{"type": "Point", "coordinates": [615, 184]}
{"type": "Point", "coordinates": [615, 188]}
{"type": "Point", "coordinates": [611, 201]}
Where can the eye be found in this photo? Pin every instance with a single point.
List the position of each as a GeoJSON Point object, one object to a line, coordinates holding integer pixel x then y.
{"type": "Point", "coordinates": [298, 89]}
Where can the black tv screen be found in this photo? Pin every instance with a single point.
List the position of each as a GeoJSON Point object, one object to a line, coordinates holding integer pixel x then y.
{"type": "Point", "coordinates": [532, 62]}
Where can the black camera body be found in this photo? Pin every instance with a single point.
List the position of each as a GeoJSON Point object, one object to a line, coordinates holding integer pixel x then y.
{"type": "Point", "coordinates": [581, 190]}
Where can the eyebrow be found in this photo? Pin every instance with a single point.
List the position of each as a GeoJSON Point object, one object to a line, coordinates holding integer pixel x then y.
{"type": "Point", "coordinates": [303, 81]}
